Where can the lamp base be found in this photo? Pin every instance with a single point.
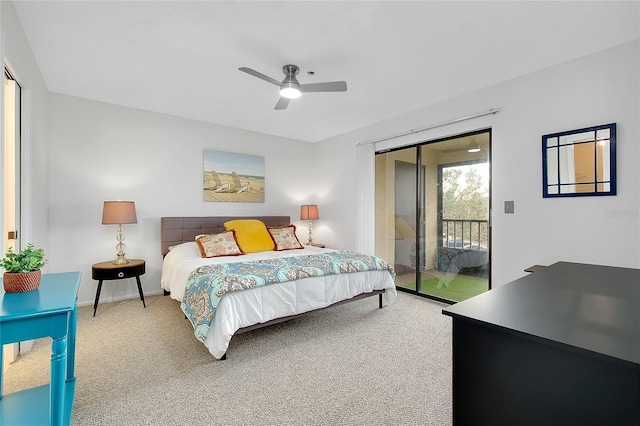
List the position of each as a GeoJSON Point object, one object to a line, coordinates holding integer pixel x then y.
{"type": "Point", "coordinates": [121, 260]}
{"type": "Point", "coordinates": [310, 242]}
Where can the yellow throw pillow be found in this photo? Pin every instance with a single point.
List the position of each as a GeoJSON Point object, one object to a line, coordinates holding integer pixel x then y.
{"type": "Point", "coordinates": [252, 235]}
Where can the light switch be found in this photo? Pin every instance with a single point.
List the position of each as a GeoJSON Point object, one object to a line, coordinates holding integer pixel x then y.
{"type": "Point", "coordinates": [509, 207]}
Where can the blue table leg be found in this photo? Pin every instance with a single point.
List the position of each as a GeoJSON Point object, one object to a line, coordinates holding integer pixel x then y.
{"type": "Point", "coordinates": [57, 386]}
{"type": "Point", "coordinates": [71, 351]}
{"type": "Point", "coordinates": [1, 367]}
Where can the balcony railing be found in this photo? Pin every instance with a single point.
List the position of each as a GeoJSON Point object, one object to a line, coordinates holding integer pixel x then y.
{"type": "Point", "coordinates": [466, 234]}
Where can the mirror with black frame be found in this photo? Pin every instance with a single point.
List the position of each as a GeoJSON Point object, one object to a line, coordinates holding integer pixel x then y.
{"type": "Point", "coordinates": [580, 162]}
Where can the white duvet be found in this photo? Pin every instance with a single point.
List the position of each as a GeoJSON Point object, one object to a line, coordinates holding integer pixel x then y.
{"type": "Point", "coordinates": [261, 304]}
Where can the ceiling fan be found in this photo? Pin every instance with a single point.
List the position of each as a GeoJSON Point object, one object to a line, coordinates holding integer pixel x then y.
{"type": "Point", "coordinates": [290, 87]}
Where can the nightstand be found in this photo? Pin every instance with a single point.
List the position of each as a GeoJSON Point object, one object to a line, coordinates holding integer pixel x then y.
{"type": "Point", "coordinates": [317, 245]}
{"type": "Point", "coordinates": [109, 271]}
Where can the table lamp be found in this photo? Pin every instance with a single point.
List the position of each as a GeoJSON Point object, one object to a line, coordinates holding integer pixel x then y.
{"type": "Point", "coordinates": [309, 212]}
{"type": "Point", "coordinates": [119, 213]}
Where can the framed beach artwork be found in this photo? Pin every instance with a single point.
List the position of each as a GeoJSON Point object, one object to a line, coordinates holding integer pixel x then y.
{"type": "Point", "coordinates": [232, 177]}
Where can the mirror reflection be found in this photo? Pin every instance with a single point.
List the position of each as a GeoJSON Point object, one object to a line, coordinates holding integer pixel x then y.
{"type": "Point", "coordinates": [579, 162]}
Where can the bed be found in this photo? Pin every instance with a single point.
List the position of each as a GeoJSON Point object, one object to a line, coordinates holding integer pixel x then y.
{"type": "Point", "coordinates": [248, 309]}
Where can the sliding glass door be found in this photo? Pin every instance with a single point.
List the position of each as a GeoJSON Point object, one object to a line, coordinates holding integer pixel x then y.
{"type": "Point", "coordinates": [432, 216]}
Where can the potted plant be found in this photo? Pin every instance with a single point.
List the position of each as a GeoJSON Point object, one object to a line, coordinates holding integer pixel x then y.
{"type": "Point", "coordinates": [22, 269]}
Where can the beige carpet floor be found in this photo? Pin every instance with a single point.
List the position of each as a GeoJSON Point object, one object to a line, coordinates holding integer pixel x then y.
{"type": "Point", "coordinates": [353, 364]}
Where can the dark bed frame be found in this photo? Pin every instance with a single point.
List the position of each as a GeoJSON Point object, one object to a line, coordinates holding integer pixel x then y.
{"type": "Point", "coordinates": [178, 230]}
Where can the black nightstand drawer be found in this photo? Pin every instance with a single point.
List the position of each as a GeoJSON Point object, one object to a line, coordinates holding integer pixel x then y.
{"type": "Point", "coordinates": [115, 272]}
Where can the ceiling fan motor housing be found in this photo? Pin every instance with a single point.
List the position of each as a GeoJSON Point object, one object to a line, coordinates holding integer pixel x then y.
{"type": "Point", "coordinates": [290, 87]}
{"type": "Point", "coordinates": [290, 70]}
{"type": "Point", "coordinates": [290, 80]}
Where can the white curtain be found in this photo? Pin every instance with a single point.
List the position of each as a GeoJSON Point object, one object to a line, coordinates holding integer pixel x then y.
{"type": "Point", "coordinates": [365, 211]}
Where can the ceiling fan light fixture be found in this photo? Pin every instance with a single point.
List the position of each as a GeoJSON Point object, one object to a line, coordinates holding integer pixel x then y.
{"type": "Point", "coordinates": [290, 92]}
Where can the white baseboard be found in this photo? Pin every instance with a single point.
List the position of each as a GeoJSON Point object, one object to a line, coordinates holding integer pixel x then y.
{"type": "Point", "coordinates": [121, 298]}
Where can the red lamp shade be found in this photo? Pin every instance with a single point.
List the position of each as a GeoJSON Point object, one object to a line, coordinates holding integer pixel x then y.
{"type": "Point", "coordinates": [309, 212]}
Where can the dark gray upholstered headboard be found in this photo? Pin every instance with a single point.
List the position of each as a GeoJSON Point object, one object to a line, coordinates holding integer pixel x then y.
{"type": "Point", "coordinates": [178, 230]}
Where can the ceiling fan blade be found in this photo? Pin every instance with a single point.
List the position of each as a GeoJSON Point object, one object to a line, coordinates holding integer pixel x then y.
{"type": "Point", "coordinates": [260, 75]}
{"type": "Point", "coordinates": [331, 86]}
{"type": "Point", "coordinates": [282, 103]}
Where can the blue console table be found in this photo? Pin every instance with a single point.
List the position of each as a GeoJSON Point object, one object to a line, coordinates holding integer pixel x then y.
{"type": "Point", "coordinates": [51, 310]}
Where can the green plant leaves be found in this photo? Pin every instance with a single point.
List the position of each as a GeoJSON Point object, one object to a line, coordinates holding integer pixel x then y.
{"type": "Point", "coordinates": [27, 260]}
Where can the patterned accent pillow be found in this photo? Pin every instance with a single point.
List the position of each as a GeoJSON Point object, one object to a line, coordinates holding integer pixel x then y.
{"type": "Point", "coordinates": [284, 237]}
{"type": "Point", "coordinates": [215, 245]}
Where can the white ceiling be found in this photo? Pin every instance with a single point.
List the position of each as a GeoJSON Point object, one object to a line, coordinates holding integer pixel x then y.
{"type": "Point", "coordinates": [182, 58]}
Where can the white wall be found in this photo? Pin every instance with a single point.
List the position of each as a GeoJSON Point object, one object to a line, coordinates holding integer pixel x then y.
{"type": "Point", "coordinates": [596, 89]}
{"type": "Point", "coordinates": [93, 152]}
{"type": "Point", "coordinates": [19, 59]}
{"type": "Point", "coordinates": [104, 152]}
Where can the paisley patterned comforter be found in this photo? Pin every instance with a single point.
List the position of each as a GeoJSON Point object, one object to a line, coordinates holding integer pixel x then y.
{"type": "Point", "coordinates": [207, 284]}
